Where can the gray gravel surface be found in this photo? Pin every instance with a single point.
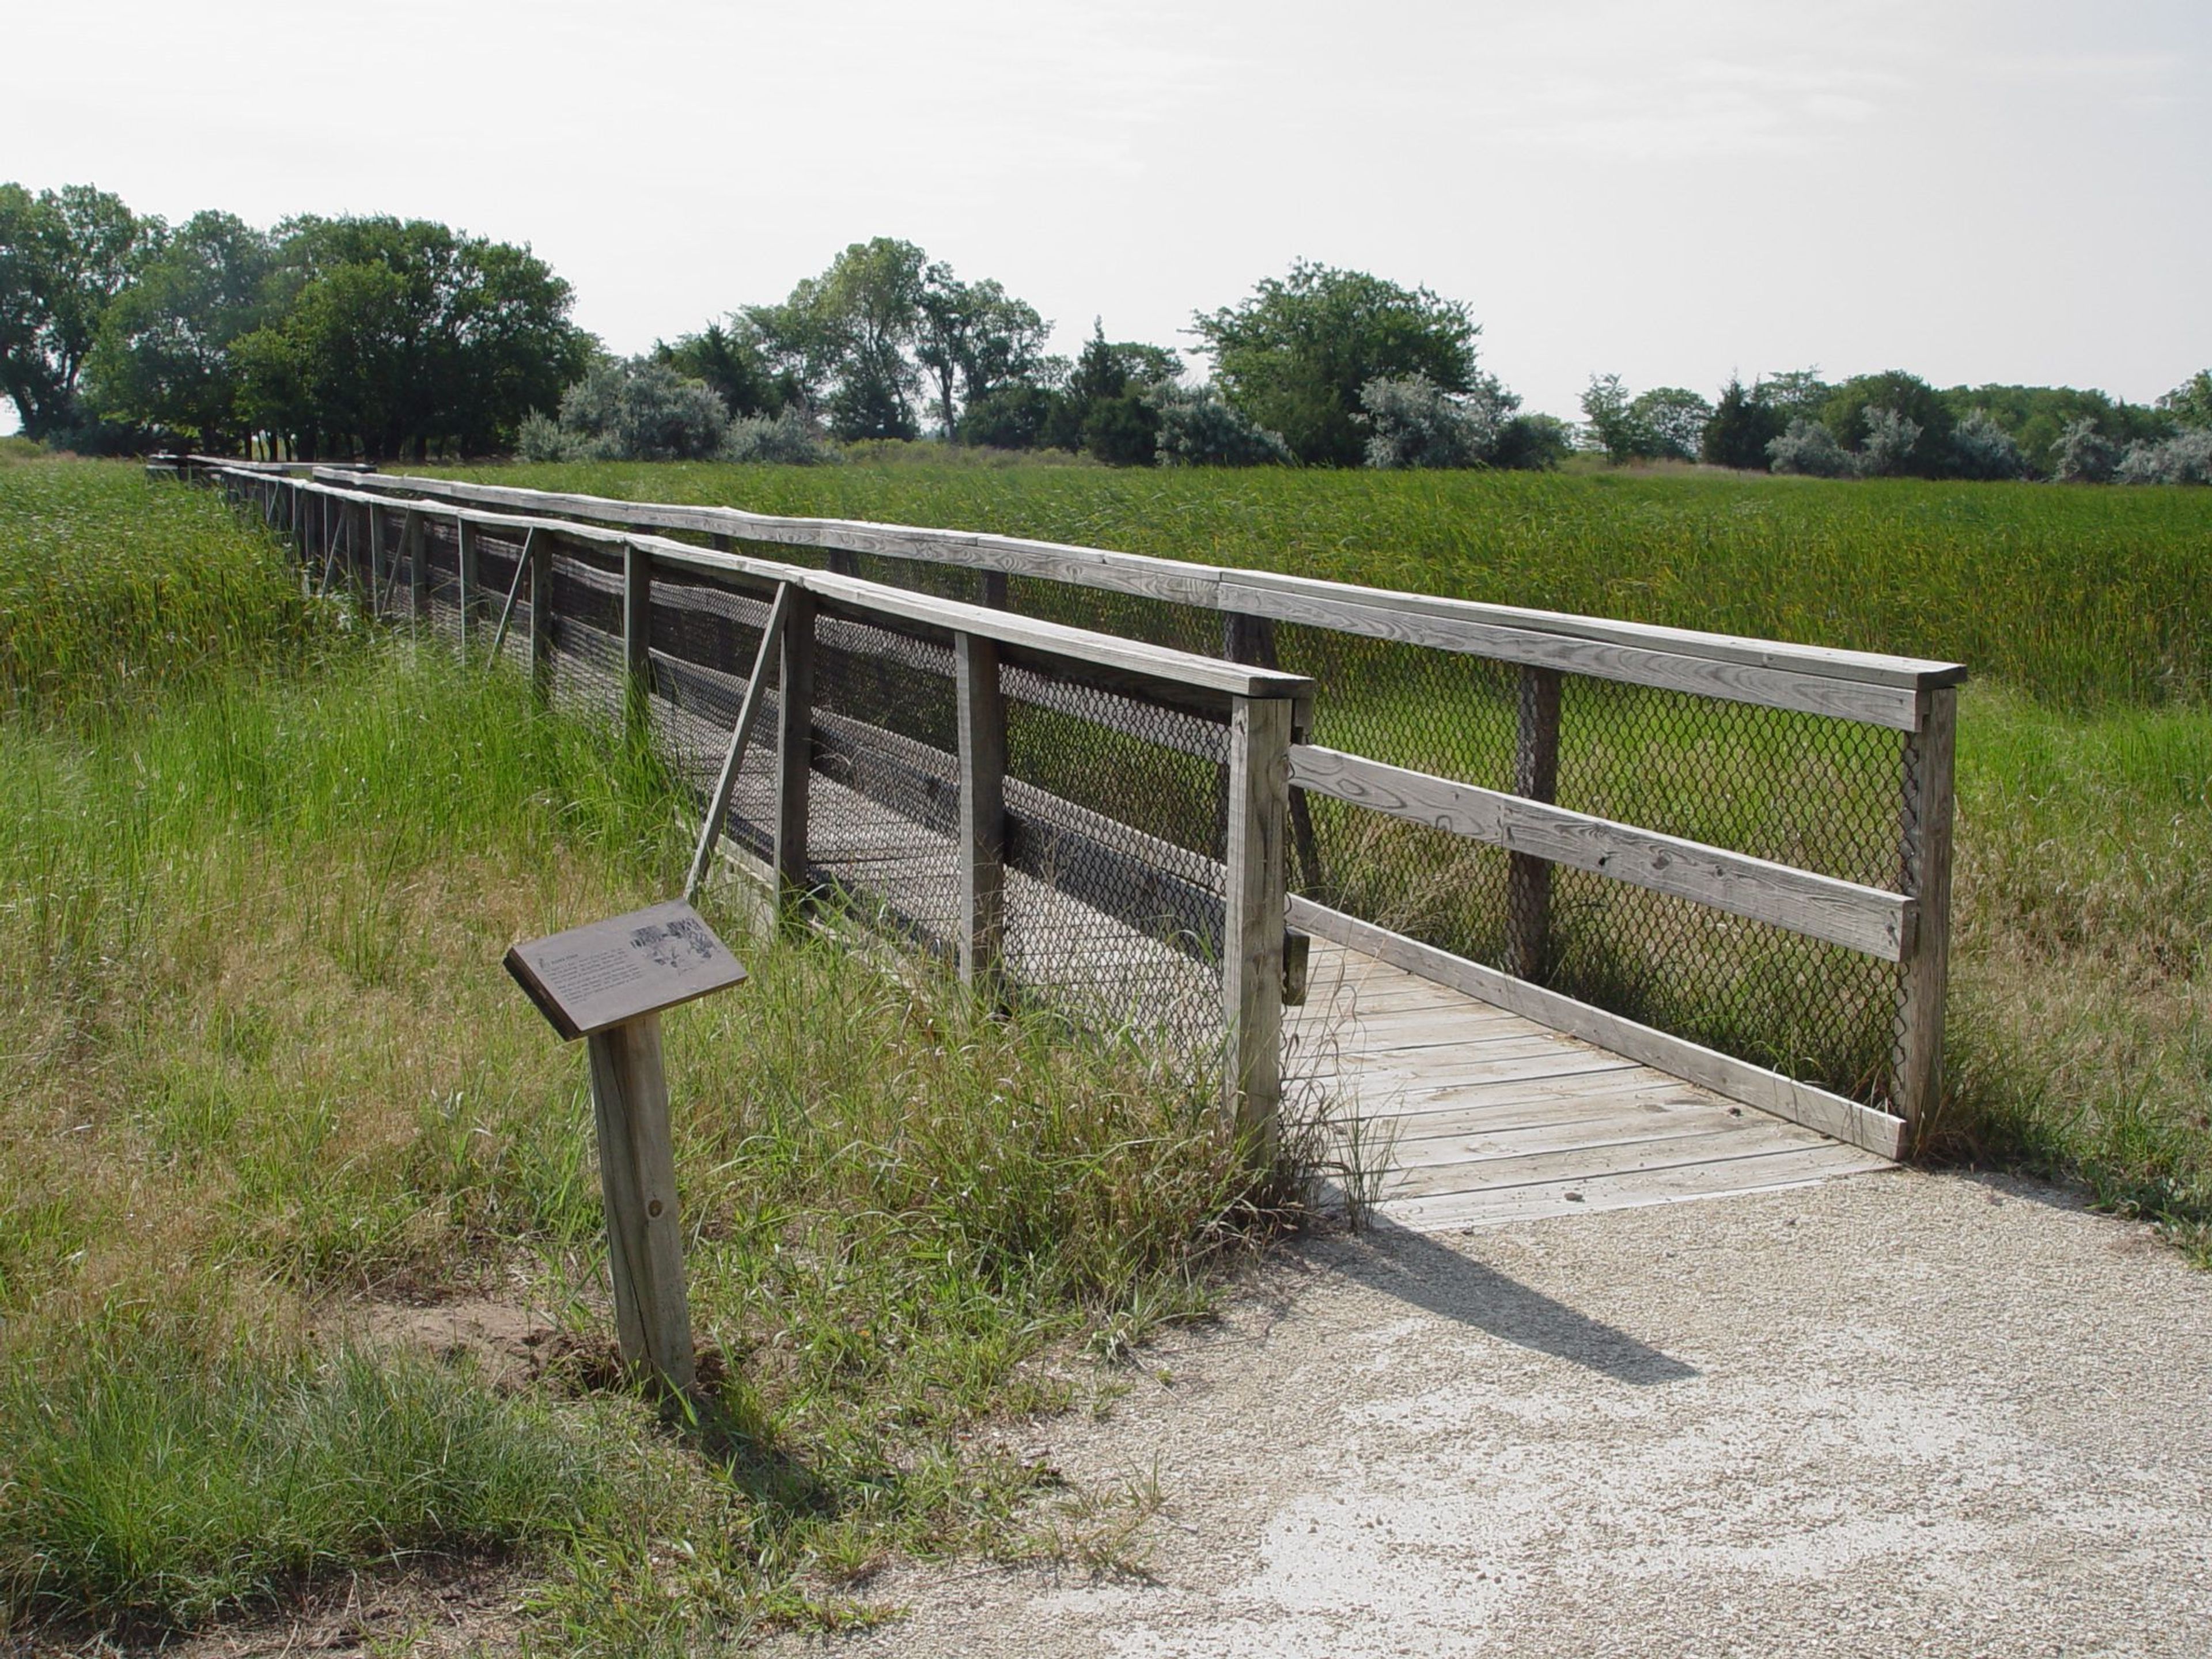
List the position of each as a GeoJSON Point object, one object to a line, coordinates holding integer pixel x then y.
{"type": "Point", "coordinates": [1895, 1414]}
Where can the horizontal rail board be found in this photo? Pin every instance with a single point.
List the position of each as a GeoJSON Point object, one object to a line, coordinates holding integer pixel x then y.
{"type": "Point", "coordinates": [1819, 906]}
{"type": "Point", "coordinates": [1724, 1075]}
{"type": "Point", "coordinates": [1625, 650]}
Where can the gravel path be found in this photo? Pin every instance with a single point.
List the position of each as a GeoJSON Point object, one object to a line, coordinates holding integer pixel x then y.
{"type": "Point", "coordinates": [1896, 1415]}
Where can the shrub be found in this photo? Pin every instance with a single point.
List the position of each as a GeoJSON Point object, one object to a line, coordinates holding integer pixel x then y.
{"type": "Point", "coordinates": [1742, 424]}
{"type": "Point", "coordinates": [2083, 454]}
{"type": "Point", "coordinates": [2183, 459]}
{"type": "Point", "coordinates": [1888, 449]}
{"type": "Point", "coordinates": [1809, 448]}
{"type": "Point", "coordinates": [786, 439]}
{"type": "Point", "coordinates": [636, 410]}
{"type": "Point", "coordinates": [1980, 448]}
{"type": "Point", "coordinates": [1200, 427]}
{"type": "Point", "coordinates": [1414, 422]}
{"type": "Point", "coordinates": [1533, 443]}
{"type": "Point", "coordinates": [542, 438]}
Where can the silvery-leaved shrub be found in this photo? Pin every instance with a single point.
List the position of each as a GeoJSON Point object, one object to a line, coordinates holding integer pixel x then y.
{"type": "Point", "coordinates": [2183, 459]}
{"type": "Point", "coordinates": [1414, 422]}
{"type": "Point", "coordinates": [636, 410]}
{"type": "Point", "coordinates": [787, 438]}
{"type": "Point", "coordinates": [542, 438]}
{"type": "Point", "coordinates": [1890, 437]}
{"type": "Point", "coordinates": [1980, 448]}
{"type": "Point", "coordinates": [2083, 454]}
{"type": "Point", "coordinates": [1200, 427]}
{"type": "Point", "coordinates": [1810, 449]}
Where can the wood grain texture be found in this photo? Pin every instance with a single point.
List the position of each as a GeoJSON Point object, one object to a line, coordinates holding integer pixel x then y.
{"type": "Point", "coordinates": [1252, 917]}
{"type": "Point", "coordinates": [794, 750]}
{"type": "Point", "coordinates": [1832, 1114]}
{"type": "Point", "coordinates": [981, 714]}
{"type": "Point", "coordinates": [1820, 906]}
{"type": "Point", "coordinates": [637, 1177]}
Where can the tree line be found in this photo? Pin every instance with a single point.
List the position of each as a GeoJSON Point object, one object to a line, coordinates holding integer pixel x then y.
{"type": "Point", "coordinates": [389, 339]}
{"type": "Point", "coordinates": [1895, 424]}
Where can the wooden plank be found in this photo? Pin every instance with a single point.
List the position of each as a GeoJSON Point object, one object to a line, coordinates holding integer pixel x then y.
{"type": "Point", "coordinates": [794, 748]}
{"type": "Point", "coordinates": [637, 1177]}
{"type": "Point", "coordinates": [1383, 616]}
{"type": "Point", "coordinates": [1508, 1171]}
{"type": "Point", "coordinates": [1408, 1078]}
{"type": "Point", "coordinates": [1820, 906]}
{"type": "Point", "coordinates": [1928, 811]}
{"type": "Point", "coordinates": [1598, 1190]}
{"type": "Point", "coordinates": [1755, 1085]}
{"type": "Point", "coordinates": [1253, 918]}
{"type": "Point", "coordinates": [982, 831]}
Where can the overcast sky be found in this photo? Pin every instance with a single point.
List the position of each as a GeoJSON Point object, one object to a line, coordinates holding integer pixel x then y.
{"type": "Point", "coordinates": [1974, 190]}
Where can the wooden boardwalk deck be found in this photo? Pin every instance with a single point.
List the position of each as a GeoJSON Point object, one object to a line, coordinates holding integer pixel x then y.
{"type": "Point", "coordinates": [1482, 1117]}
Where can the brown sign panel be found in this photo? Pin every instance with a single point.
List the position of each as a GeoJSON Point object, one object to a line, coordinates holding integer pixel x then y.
{"type": "Point", "coordinates": [590, 978]}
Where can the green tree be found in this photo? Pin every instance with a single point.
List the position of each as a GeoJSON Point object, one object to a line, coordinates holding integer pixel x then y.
{"type": "Point", "coordinates": [403, 335]}
{"type": "Point", "coordinates": [1293, 356]}
{"type": "Point", "coordinates": [730, 359]}
{"type": "Point", "coordinates": [843, 337]}
{"type": "Point", "coordinates": [1669, 420]}
{"type": "Point", "coordinates": [1849, 409]}
{"type": "Point", "coordinates": [1104, 408]}
{"type": "Point", "coordinates": [163, 359]}
{"type": "Point", "coordinates": [2189, 403]}
{"type": "Point", "coordinates": [975, 340]}
{"type": "Point", "coordinates": [65, 256]}
{"type": "Point", "coordinates": [1743, 423]}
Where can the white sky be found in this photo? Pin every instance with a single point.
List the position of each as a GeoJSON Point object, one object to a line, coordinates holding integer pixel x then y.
{"type": "Point", "coordinates": [1974, 190]}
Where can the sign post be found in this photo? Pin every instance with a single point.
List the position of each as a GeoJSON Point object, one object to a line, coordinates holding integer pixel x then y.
{"type": "Point", "coordinates": [607, 983]}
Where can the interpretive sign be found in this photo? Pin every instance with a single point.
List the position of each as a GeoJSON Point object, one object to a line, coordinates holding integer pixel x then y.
{"type": "Point", "coordinates": [608, 982]}
{"type": "Point", "coordinates": [589, 978]}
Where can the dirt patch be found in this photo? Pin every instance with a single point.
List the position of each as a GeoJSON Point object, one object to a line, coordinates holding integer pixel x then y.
{"type": "Point", "coordinates": [509, 1345]}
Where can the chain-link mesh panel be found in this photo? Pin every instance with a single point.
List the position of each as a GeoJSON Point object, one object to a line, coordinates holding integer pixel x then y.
{"type": "Point", "coordinates": [588, 675]}
{"type": "Point", "coordinates": [441, 560]}
{"type": "Point", "coordinates": [499, 563]}
{"type": "Point", "coordinates": [706, 640]}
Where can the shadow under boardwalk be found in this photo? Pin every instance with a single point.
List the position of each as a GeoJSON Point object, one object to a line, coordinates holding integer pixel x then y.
{"type": "Point", "coordinates": [1478, 1116]}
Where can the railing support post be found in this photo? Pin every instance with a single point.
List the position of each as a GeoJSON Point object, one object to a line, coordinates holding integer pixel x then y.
{"type": "Point", "coordinates": [1536, 777]}
{"type": "Point", "coordinates": [540, 555]}
{"type": "Point", "coordinates": [795, 752]}
{"type": "Point", "coordinates": [982, 713]}
{"type": "Point", "coordinates": [375, 561]}
{"type": "Point", "coordinates": [414, 548]}
{"type": "Point", "coordinates": [471, 577]}
{"type": "Point", "coordinates": [1924, 976]}
{"type": "Point", "coordinates": [637, 638]}
{"type": "Point", "coordinates": [1252, 919]}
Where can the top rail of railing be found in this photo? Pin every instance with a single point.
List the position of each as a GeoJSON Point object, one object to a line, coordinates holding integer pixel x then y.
{"type": "Point", "coordinates": [1869, 686]}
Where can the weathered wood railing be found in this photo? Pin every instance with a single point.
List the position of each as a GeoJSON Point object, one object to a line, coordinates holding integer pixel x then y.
{"type": "Point", "coordinates": [990, 856]}
{"type": "Point", "coordinates": [1901, 920]}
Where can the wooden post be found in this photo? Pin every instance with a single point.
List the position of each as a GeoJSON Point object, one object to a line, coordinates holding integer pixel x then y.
{"type": "Point", "coordinates": [472, 605]}
{"type": "Point", "coordinates": [794, 751]}
{"type": "Point", "coordinates": [539, 553]}
{"type": "Point", "coordinates": [983, 713]}
{"type": "Point", "coordinates": [842, 563]}
{"type": "Point", "coordinates": [1535, 776]}
{"type": "Point", "coordinates": [1924, 976]}
{"type": "Point", "coordinates": [1252, 919]}
{"type": "Point", "coordinates": [375, 559]}
{"type": "Point", "coordinates": [637, 637]}
{"type": "Point", "coordinates": [994, 592]}
{"type": "Point", "coordinates": [637, 1175]}
{"type": "Point", "coordinates": [1250, 639]}
{"type": "Point", "coordinates": [414, 547]}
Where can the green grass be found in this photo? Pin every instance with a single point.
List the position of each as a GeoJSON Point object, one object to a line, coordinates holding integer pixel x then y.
{"type": "Point", "coordinates": [259, 1070]}
{"type": "Point", "coordinates": [2078, 596]}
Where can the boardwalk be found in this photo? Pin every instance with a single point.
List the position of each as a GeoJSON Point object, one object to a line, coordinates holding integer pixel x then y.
{"type": "Point", "coordinates": [1481, 1116]}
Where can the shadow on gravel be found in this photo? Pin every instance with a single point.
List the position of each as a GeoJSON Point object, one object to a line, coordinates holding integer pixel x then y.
{"type": "Point", "coordinates": [1415, 1268]}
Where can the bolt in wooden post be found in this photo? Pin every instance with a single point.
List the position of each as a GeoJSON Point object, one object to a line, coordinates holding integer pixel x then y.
{"type": "Point", "coordinates": [637, 1175]}
{"type": "Point", "coordinates": [1536, 776]}
{"type": "Point", "coordinates": [1252, 919]}
{"type": "Point", "coordinates": [795, 752]}
{"type": "Point", "coordinates": [637, 638]}
{"type": "Point", "coordinates": [982, 715]}
{"type": "Point", "coordinates": [540, 555]}
{"type": "Point", "coordinates": [1924, 977]}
